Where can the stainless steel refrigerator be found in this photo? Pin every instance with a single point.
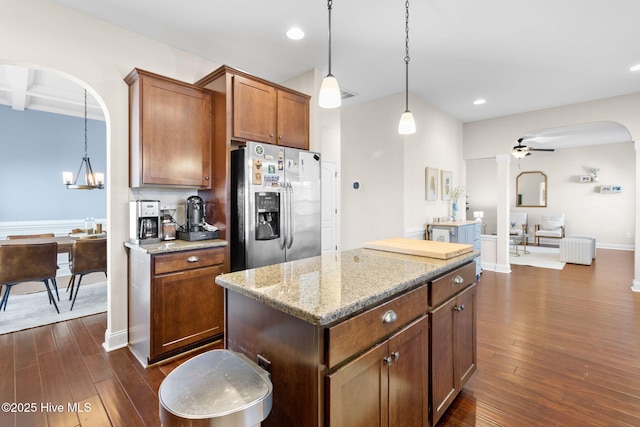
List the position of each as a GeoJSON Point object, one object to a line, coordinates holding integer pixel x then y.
{"type": "Point", "coordinates": [275, 205]}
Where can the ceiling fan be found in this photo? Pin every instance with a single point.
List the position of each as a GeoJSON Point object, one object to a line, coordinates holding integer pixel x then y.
{"type": "Point", "coordinates": [520, 150]}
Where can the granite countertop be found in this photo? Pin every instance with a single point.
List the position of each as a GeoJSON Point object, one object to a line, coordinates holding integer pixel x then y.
{"type": "Point", "coordinates": [326, 288]}
{"type": "Point", "coordinates": [176, 246]}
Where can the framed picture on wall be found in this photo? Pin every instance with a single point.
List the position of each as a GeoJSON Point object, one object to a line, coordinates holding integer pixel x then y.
{"type": "Point", "coordinates": [447, 185]}
{"type": "Point", "coordinates": [431, 183]}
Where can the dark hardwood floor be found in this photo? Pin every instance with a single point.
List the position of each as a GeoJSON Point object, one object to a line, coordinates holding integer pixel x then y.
{"type": "Point", "coordinates": [555, 348]}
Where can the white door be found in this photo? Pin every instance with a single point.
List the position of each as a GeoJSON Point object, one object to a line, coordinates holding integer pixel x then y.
{"type": "Point", "coordinates": [329, 207]}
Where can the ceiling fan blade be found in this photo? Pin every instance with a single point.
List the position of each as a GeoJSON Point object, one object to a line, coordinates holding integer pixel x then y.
{"type": "Point", "coordinates": [542, 149]}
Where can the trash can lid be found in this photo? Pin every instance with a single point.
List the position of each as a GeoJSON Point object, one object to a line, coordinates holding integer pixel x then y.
{"type": "Point", "coordinates": [215, 384]}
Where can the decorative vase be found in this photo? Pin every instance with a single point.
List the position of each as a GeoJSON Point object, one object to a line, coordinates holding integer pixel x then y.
{"type": "Point", "coordinates": [454, 211]}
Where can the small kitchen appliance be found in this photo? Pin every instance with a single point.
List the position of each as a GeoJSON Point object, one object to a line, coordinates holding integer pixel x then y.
{"type": "Point", "coordinates": [144, 221]}
{"type": "Point", "coordinates": [195, 228]}
{"type": "Point", "coordinates": [169, 225]}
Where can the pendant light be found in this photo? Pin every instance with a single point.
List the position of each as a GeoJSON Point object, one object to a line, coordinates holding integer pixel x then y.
{"type": "Point", "coordinates": [407, 124]}
{"type": "Point", "coordinates": [92, 180]}
{"type": "Point", "coordinates": [329, 90]}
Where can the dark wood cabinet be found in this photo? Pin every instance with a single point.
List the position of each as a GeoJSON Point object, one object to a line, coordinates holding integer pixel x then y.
{"type": "Point", "coordinates": [385, 386]}
{"type": "Point", "coordinates": [453, 349]}
{"type": "Point", "coordinates": [254, 110]}
{"type": "Point", "coordinates": [169, 132]}
{"type": "Point", "coordinates": [264, 113]}
{"type": "Point", "coordinates": [187, 308]}
{"type": "Point", "coordinates": [174, 302]}
{"type": "Point", "coordinates": [293, 120]}
{"type": "Point", "coordinates": [368, 369]}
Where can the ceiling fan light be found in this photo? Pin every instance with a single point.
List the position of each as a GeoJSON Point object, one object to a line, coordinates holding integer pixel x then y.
{"type": "Point", "coordinates": [519, 154]}
{"type": "Point", "coordinates": [329, 93]}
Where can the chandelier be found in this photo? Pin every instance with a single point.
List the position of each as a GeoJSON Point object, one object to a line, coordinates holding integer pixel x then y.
{"type": "Point", "coordinates": [91, 180]}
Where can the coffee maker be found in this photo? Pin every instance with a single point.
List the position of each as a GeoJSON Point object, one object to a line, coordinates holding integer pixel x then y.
{"type": "Point", "coordinates": [195, 229]}
{"type": "Point", "coordinates": [144, 221]}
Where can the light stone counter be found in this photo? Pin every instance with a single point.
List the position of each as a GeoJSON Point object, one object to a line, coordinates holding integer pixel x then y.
{"type": "Point", "coordinates": [326, 288]}
{"type": "Point", "coordinates": [175, 246]}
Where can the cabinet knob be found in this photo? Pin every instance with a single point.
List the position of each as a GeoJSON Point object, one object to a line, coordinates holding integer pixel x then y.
{"type": "Point", "coordinates": [388, 359]}
{"type": "Point", "coordinates": [389, 317]}
{"type": "Point", "coordinates": [206, 178]}
{"type": "Point", "coordinates": [396, 355]}
{"type": "Point", "coordinates": [458, 280]}
{"type": "Point", "coordinates": [459, 308]}
{"type": "Point", "coordinates": [193, 258]}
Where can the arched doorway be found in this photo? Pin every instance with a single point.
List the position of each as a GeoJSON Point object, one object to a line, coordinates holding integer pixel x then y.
{"type": "Point", "coordinates": [42, 112]}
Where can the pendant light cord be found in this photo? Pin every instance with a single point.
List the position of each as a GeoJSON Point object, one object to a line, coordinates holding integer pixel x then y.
{"type": "Point", "coordinates": [85, 124]}
{"type": "Point", "coordinates": [406, 56]}
{"type": "Point", "coordinates": [329, 7]}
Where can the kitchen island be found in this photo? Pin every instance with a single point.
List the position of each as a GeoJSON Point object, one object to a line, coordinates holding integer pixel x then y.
{"type": "Point", "coordinates": [346, 336]}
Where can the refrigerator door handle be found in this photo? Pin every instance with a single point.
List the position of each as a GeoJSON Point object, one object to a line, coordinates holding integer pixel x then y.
{"type": "Point", "coordinates": [283, 220]}
{"type": "Point", "coordinates": [291, 231]}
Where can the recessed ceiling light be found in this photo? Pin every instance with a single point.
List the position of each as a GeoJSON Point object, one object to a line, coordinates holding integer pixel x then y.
{"type": "Point", "coordinates": [479, 101]}
{"type": "Point", "coordinates": [295, 33]}
{"type": "Point", "coordinates": [635, 68]}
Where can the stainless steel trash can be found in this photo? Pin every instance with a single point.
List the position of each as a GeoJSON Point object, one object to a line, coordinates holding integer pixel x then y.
{"type": "Point", "coordinates": [219, 388]}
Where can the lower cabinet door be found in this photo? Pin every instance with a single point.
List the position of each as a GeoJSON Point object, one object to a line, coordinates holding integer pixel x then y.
{"type": "Point", "coordinates": [409, 375]}
{"type": "Point", "coordinates": [187, 307]}
{"type": "Point", "coordinates": [357, 392]}
{"type": "Point", "coordinates": [443, 381]}
{"type": "Point", "coordinates": [386, 386]}
{"type": "Point", "coordinates": [453, 349]}
{"type": "Point", "coordinates": [466, 348]}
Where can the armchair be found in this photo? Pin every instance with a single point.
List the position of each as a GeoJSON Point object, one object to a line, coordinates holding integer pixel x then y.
{"type": "Point", "coordinates": [551, 226]}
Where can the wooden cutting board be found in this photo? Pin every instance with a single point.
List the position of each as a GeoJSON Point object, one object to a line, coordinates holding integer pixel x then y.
{"type": "Point", "coordinates": [426, 248]}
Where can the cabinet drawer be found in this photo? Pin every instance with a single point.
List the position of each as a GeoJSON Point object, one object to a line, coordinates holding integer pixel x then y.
{"type": "Point", "coordinates": [362, 331]}
{"type": "Point", "coordinates": [187, 260]}
{"type": "Point", "coordinates": [443, 288]}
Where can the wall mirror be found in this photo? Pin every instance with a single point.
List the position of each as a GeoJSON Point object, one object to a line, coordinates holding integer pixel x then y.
{"type": "Point", "coordinates": [531, 190]}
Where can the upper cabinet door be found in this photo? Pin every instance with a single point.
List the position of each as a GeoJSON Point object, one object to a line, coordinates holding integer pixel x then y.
{"type": "Point", "coordinates": [170, 132]}
{"type": "Point", "coordinates": [254, 110]}
{"type": "Point", "coordinates": [293, 120]}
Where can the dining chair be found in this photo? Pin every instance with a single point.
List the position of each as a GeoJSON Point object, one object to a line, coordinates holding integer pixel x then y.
{"type": "Point", "coordinates": [89, 256]}
{"type": "Point", "coordinates": [36, 236]}
{"type": "Point", "coordinates": [36, 262]}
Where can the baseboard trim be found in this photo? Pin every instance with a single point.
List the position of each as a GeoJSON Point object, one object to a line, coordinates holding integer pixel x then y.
{"type": "Point", "coordinates": [115, 340]}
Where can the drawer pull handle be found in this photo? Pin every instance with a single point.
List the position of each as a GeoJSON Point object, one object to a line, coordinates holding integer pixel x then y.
{"type": "Point", "coordinates": [193, 258]}
{"type": "Point", "coordinates": [458, 280]}
{"type": "Point", "coordinates": [389, 317]}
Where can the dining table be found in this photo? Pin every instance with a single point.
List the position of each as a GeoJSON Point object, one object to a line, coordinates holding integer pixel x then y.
{"type": "Point", "coordinates": [65, 243]}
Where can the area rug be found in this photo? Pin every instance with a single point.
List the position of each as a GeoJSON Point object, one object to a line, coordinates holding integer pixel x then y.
{"type": "Point", "coordinates": [538, 256]}
{"type": "Point", "coordinates": [31, 310]}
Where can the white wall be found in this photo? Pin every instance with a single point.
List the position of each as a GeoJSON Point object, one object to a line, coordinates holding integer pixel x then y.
{"type": "Point", "coordinates": [43, 34]}
{"type": "Point", "coordinates": [611, 217]}
{"type": "Point", "coordinates": [391, 168]}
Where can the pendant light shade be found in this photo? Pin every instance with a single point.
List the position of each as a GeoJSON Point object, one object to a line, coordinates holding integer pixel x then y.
{"type": "Point", "coordinates": [329, 90]}
{"type": "Point", "coordinates": [330, 93]}
{"type": "Point", "coordinates": [407, 124]}
{"type": "Point", "coordinates": [91, 180]}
